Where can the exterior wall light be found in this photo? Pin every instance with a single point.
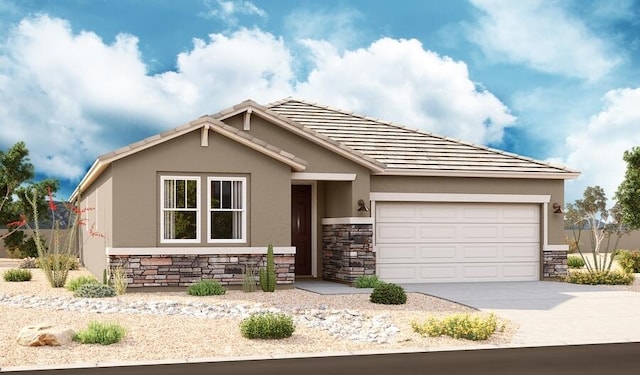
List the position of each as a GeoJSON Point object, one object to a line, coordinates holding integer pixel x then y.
{"type": "Point", "coordinates": [361, 206]}
{"type": "Point", "coordinates": [557, 208]}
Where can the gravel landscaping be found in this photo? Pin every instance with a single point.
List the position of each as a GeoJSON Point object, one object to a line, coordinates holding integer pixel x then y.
{"type": "Point", "coordinates": [174, 325]}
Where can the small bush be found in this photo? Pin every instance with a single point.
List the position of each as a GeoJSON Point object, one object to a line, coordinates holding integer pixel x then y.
{"type": "Point", "coordinates": [267, 326]}
{"type": "Point", "coordinates": [60, 261]}
{"type": "Point", "coordinates": [75, 283]}
{"type": "Point", "coordinates": [388, 294]}
{"type": "Point", "coordinates": [119, 280]}
{"type": "Point", "coordinates": [94, 290]}
{"type": "Point", "coordinates": [28, 262]}
{"type": "Point", "coordinates": [100, 333]}
{"type": "Point", "coordinates": [367, 281]}
{"type": "Point", "coordinates": [628, 260]}
{"type": "Point", "coordinates": [459, 326]}
{"type": "Point", "coordinates": [206, 288]}
{"type": "Point", "coordinates": [575, 262]}
{"type": "Point", "coordinates": [600, 278]}
{"type": "Point", "coordinates": [15, 274]}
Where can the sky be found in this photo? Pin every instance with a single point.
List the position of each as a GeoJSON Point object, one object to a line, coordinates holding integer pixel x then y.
{"type": "Point", "coordinates": [557, 81]}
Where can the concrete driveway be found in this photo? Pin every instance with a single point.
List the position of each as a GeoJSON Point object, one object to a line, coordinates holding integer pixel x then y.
{"type": "Point", "coordinates": [547, 312]}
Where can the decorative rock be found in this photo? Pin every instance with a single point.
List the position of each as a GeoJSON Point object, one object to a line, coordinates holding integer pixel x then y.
{"type": "Point", "coordinates": [45, 335]}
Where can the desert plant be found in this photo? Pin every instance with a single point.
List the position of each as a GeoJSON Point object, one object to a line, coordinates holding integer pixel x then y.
{"type": "Point", "coordinates": [267, 326]}
{"type": "Point", "coordinates": [600, 277]}
{"type": "Point", "coordinates": [629, 261]}
{"type": "Point", "coordinates": [267, 275]}
{"type": "Point", "coordinates": [119, 280]}
{"type": "Point", "coordinates": [94, 290]}
{"type": "Point", "coordinates": [388, 294]}
{"type": "Point", "coordinates": [604, 226]}
{"type": "Point", "coordinates": [58, 261]}
{"type": "Point", "coordinates": [248, 279]}
{"type": "Point", "coordinates": [16, 274]}
{"type": "Point", "coordinates": [459, 326]}
{"type": "Point", "coordinates": [29, 263]}
{"type": "Point", "coordinates": [206, 288]}
{"type": "Point", "coordinates": [367, 281]}
{"type": "Point", "coordinates": [575, 262]}
{"type": "Point", "coordinates": [75, 283]}
{"type": "Point", "coordinates": [100, 333]}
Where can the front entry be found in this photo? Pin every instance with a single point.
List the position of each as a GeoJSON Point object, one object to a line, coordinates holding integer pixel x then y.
{"type": "Point", "coordinates": [301, 227]}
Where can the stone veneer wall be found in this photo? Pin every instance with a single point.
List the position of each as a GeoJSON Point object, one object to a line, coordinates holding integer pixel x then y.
{"type": "Point", "coordinates": [554, 264]}
{"type": "Point", "coordinates": [347, 251]}
{"type": "Point", "coordinates": [184, 270]}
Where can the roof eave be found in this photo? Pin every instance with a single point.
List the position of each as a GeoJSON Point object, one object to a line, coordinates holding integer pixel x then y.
{"type": "Point", "coordinates": [486, 174]}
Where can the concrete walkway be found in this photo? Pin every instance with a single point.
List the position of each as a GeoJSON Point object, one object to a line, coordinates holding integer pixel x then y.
{"type": "Point", "coordinates": [547, 312]}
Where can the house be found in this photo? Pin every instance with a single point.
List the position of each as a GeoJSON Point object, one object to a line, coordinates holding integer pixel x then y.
{"type": "Point", "coordinates": [339, 195]}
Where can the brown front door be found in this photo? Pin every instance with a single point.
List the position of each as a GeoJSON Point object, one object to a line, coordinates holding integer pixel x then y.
{"type": "Point", "coordinates": [301, 227]}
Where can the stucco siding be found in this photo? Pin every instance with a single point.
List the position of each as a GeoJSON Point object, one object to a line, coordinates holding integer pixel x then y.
{"type": "Point", "coordinates": [137, 189]}
{"type": "Point", "coordinates": [320, 159]}
{"type": "Point", "coordinates": [97, 200]}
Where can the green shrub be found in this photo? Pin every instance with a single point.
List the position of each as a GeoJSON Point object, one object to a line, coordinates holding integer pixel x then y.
{"type": "Point", "coordinates": [628, 260]}
{"type": "Point", "coordinates": [388, 294]}
{"type": "Point", "coordinates": [73, 284]}
{"type": "Point", "coordinates": [267, 326]}
{"type": "Point", "coordinates": [575, 262]}
{"type": "Point", "coordinates": [367, 281]}
{"type": "Point", "coordinates": [206, 288]}
{"type": "Point", "coordinates": [600, 277]}
{"type": "Point", "coordinates": [94, 290]}
{"type": "Point", "coordinates": [60, 261]}
{"type": "Point", "coordinates": [100, 333]}
{"type": "Point", "coordinates": [459, 326]}
{"type": "Point", "coordinates": [28, 262]}
{"type": "Point", "coordinates": [16, 274]}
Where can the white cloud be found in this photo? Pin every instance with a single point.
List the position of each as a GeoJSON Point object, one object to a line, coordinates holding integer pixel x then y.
{"type": "Point", "coordinates": [597, 150]}
{"type": "Point", "coordinates": [336, 26]}
{"type": "Point", "coordinates": [72, 97]}
{"type": "Point", "coordinates": [400, 81]}
{"type": "Point", "coordinates": [542, 35]}
{"type": "Point", "coordinates": [228, 11]}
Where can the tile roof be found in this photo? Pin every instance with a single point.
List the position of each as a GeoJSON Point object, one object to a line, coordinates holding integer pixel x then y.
{"type": "Point", "coordinates": [409, 151]}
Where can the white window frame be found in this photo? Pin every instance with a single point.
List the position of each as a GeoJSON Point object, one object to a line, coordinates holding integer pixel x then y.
{"type": "Point", "coordinates": [198, 209]}
{"type": "Point", "coordinates": [243, 210]}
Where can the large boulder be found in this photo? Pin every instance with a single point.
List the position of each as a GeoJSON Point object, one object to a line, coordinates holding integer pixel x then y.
{"type": "Point", "coordinates": [45, 334]}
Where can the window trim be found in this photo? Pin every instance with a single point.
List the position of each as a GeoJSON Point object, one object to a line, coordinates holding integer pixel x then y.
{"type": "Point", "coordinates": [198, 209]}
{"type": "Point", "coordinates": [243, 238]}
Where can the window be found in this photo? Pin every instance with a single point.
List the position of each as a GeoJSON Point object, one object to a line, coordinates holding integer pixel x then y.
{"type": "Point", "coordinates": [227, 212]}
{"type": "Point", "coordinates": [180, 209]}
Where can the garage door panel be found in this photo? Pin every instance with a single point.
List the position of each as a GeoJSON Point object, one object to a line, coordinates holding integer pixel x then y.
{"type": "Point", "coordinates": [522, 232]}
{"type": "Point", "coordinates": [455, 272]}
{"type": "Point", "coordinates": [454, 242]}
{"type": "Point", "coordinates": [390, 233]}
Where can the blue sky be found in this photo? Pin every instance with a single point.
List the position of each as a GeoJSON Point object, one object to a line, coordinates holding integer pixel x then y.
{"type": "Point", "coordinates": [554, 80]}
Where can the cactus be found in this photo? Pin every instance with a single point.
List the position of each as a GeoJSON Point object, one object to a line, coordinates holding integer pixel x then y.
{"type": "Point", "coordinates": [268, 275]}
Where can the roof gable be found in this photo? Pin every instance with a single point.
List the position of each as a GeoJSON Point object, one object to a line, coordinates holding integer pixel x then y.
{"type": "Point", "coordinates": [205, 124]}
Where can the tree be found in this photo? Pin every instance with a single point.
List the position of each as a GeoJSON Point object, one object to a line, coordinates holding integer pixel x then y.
{"type": "Point", "coordinates": [16, 174]}
{"type": "Point", "coordinates": [591, 213]}
{"type": "Point", "coordinates": [628, 193]}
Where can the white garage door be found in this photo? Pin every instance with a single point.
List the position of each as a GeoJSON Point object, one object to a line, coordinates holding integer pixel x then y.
{"type": "Point", "coordinates": [457, 242]}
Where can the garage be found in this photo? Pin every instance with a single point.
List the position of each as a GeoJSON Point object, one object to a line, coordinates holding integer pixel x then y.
{"type": "Point", "coordinates": [431, 242]}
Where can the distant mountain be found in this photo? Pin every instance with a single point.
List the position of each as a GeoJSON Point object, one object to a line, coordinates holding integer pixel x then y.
{"type": "Point", "coordinates": [62, 215]}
